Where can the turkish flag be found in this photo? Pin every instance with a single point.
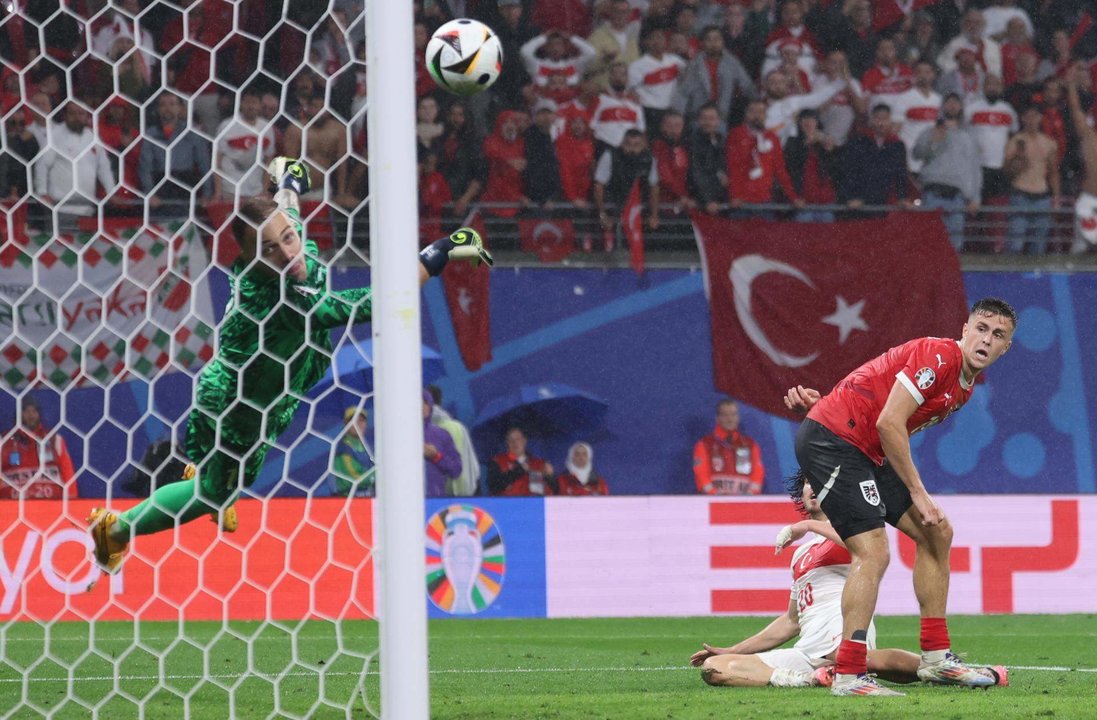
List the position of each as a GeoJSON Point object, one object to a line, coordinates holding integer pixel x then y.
{"type": "Point", "coordinates": [468, 293]}
{"type": "Point", "coordinates": [632, 218]}
{"type": "Point", "coordinates": [551, 239]}
{"type": "Point", "coordinates": [806, 303]}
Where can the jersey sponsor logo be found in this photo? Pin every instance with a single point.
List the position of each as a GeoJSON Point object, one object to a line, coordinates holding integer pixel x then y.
{"type": "Point", "coordinates": [870, 493]}
{"type": "Point", "coordinates": [924, 378]}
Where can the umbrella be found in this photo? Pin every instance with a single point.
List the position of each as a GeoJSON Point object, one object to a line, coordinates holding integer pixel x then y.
{"type": "Point", "coordinates": [353, 365]}
{"type": "Point", "coordinates": [548, 409]}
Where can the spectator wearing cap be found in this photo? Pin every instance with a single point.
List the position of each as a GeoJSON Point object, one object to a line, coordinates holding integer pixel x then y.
{"type": "Point", "coordinates": [615, 40]}
{"type": "Point", "coordinates": [554, 54]}
{"type": "Point", "coordinates": [542, 173]}
{"type": "Point", "coordinates": [875, 166]}
{"type": "Point", "coordinates": [813, 166]}
{"type": "Point", "coordinates": [1032, 165]}
{"type": "Point", "coordinates": [988, 54]}
{"type": "Point", "coordinates": [966, 78]}
{"type": "Point", "coordinates": [713, 76]}
{"type": "Point", "coordinates": [617, 111]}
{"type": "Point", "coordinates": [34, 460]}
{"type": "Point", "coordinates": [653, 77]}
{"type": "Point", "coordinates": [708, 178]}
{"type": "Point", "coordinates": [65, 175]}
{"type": "Point", "coordinates": [951, 176]}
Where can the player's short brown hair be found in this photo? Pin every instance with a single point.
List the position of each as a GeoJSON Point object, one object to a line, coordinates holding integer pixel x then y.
{"type": "Point", "coordinates": [245, 226]}
{"type": "Point", "coordinates": [995, 306]}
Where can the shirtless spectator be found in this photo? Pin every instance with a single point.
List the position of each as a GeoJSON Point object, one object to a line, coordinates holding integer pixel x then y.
{"type": "Point", "coordinates": [323, 145]}
{"type": "Point", "coordinates": [1033, 167]}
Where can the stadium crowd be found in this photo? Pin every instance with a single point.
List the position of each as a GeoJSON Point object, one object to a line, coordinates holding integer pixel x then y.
{"type": "Point", "coordinates": [824, 105]}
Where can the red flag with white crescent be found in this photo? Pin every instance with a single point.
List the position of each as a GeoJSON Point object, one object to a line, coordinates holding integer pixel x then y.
{"type": "Point", "coordinates": [468, 295]}
{"type": "Point", "coordinates": [794, 304]}
{"type": "Point", "coordinates": [632, 218]}
{"type": "Point", "coordinates": [550, 239]}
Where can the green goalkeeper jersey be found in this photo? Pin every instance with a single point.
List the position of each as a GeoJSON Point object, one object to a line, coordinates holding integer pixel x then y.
{"type": "Point", "coordinates": [274, 345]}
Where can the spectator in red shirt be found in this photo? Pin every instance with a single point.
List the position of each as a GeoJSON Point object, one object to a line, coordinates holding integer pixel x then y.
{"type": "Point", "coordinates": [1016, 43]}
{"type": "Point", "coordinates": [813, 166]}
{"type": "Point", "coordinates": [672, 162]}
{"type": "Point", "coordinates": [505, 151]}
{"type": "Point", "coordinates": [727, 461]}
{"type": "Point", "coordinates": [888, 76]}
{"type": "Point", "coordinates": [424, 83]}
{"type": "Point", "coordinates": [755, 161]}
{"type": "Point", "coordinates": [581, 479]}
{"type": "Point", "coordinates": [34, 461]}
{"type": "Point", "coordinates": [517, 472]}
{"type": "Point", "coordinates": [791, 30]}
{"type": "Point", "coordinates": [1054, 122]}
{"type": "Point", "coordinates": [434, 195]}
{"type": "Point", "coordinates": [575, 153]}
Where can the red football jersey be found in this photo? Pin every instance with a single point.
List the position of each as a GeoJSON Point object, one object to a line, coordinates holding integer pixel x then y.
{"type": "Point", "coordinates": [929, 368]}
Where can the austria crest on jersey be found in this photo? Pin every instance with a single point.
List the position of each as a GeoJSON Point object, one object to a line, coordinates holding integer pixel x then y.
{"type": "Point", "coordinates": [464, 56]}
{"type": "Point", "coordinates": [870, 493]}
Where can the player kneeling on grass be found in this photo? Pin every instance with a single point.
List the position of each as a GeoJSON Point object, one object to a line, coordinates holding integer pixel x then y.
{"type": "Point", "coordinates": [273, 346]}
{"type": "Point", "coordinates": [819, 571]}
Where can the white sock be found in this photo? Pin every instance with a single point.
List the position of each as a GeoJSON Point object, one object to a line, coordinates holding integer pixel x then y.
{"type": "Point", "coordinates": [784, 677]}
{"type": "Point", "coordinates": [929, 657]}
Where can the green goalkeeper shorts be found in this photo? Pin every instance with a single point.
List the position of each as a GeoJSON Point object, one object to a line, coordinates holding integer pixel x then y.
{"type": "Point", "coordinates": [219, 455]}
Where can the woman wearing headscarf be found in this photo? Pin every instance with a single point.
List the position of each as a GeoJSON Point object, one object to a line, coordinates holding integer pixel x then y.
{"type": "Point", "coordinates": [580, 479]}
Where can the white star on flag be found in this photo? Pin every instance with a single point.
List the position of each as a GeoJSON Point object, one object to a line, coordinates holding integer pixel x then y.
{"type": "Point", "coordinates": [846, 318]}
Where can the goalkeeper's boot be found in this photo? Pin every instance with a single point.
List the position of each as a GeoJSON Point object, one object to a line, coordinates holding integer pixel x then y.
{"type": "Point", "coordinates": [227, 519]}
{"type": "Point", "coordinates": [824, 676]}
{"type": "Point", "coordinates": [862, 684]}
{"type": "Point", "coordinates": [951, 670]}
{"type": "Point", "coordinates": [108, 552]}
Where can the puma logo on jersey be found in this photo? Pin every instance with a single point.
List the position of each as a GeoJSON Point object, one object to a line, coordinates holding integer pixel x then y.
{"type": "Point", "coordinates": [940, 362]}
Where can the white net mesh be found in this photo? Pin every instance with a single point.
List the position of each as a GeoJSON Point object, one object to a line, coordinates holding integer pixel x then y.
{"type": "Point", "coordinates": [133, 130]}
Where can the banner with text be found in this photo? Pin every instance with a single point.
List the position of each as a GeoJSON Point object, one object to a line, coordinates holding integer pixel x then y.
{"type": "Point", "coordinates": [310, 559]}
{"type": "Point", "coordinates": [97, 307]}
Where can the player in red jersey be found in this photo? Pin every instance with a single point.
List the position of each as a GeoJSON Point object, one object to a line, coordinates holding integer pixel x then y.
{"type": "Point", "coordinates": [854, 448]}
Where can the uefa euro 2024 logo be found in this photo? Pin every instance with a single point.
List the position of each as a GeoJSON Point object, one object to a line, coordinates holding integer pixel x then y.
{"type": "Point", "coordinates": [466, 560]}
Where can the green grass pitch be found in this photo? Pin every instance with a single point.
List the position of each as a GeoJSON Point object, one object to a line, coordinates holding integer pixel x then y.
{"type": "Point", "coordinates": [620, 668]}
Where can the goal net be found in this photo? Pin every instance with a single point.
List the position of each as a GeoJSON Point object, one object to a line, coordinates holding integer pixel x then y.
{"type": "Point", "coordinates": [132, 131]}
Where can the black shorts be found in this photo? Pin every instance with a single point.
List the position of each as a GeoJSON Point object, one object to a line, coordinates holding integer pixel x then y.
{"type": "Point", "coordinates": [856, 494]}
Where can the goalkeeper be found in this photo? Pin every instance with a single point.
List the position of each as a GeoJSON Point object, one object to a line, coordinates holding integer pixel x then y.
{"type": "Point", "coordinates": [273, 346]}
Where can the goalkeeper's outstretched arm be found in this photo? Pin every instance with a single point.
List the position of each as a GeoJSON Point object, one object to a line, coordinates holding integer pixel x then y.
{"type": "Point", "coordinates": [291, 180]}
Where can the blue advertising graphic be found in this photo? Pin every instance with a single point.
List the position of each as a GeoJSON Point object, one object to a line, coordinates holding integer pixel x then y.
{"type": "Point", "coordinates": [641, 346]}
{"type": "Point", "coordinates": [485, 557]}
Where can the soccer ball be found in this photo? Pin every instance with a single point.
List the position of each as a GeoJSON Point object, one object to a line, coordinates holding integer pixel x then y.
{"type": "Point", "coordinates": [464, 56]}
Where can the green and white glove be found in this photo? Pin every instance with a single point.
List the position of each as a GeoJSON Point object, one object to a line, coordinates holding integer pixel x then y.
{"type": "Point", "coordinates": [289, 174]}
{"type": "Point", "coordinates": [463, 244]}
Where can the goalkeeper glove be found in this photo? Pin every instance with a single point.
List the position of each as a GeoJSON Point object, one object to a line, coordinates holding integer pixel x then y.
{"type": "Point", "coordinates": [289, 174]}
{"type": "Point", "coordinates": [463, 244]}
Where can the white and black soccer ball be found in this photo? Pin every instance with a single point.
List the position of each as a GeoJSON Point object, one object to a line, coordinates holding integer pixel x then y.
{"type": "Point", "coordinates": [464, 56]}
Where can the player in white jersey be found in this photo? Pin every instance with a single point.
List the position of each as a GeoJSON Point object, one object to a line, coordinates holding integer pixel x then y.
{"type": "Point", "coordinates": [820, 568]}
